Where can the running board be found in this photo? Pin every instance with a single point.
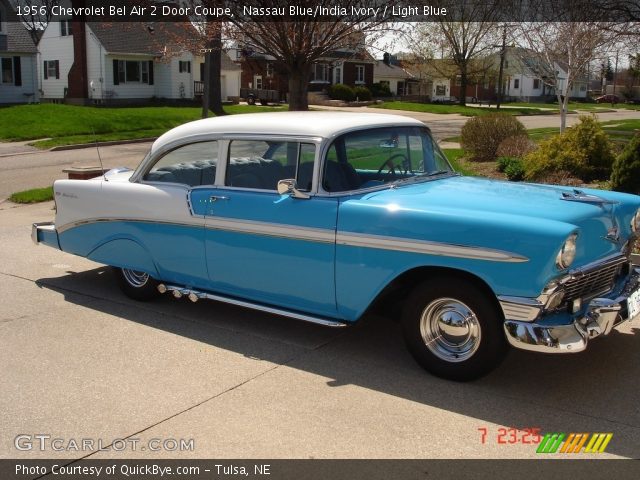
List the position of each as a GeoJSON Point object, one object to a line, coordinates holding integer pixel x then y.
{"type": "Point", "coordinates": [195, 295]}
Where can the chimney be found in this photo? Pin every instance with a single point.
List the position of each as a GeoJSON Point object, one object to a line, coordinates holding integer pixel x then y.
{"type": "Point", "coordinates": [78, 90]}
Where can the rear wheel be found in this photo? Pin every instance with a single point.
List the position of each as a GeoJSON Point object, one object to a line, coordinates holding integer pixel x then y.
{"type": "Point", "coordinates": [453, 330]}
{"type": "Point", "coordinates": [251, 101]}
{"type": "Point", "coordinates": [137, 285]}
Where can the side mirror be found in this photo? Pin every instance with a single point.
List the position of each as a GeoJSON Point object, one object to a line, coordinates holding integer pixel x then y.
{"type": "Point", "coordinates": [289, 185]}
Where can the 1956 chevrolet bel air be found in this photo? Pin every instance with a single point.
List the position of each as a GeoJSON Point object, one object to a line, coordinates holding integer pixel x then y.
{"type": "Point", "coordinates": [321, 216]}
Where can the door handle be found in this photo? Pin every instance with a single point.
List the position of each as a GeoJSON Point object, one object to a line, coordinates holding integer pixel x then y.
{"type": "Point", "coordinates": [215, 198]}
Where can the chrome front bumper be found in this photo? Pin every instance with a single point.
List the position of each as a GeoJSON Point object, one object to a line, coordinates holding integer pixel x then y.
{"type": "Point", "coordinates": [601, 315]}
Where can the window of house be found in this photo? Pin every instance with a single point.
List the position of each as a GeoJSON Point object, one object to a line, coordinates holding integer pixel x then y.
{"type": "Point", "coordinates": [506, 64]}
{"type": "Point", "coordinates": [269, 69]}
{"type": "Point", "coordinates": [193, 165]}
{"type": "Point", "coordinates": [144, 72]}
{"type": "Point", "coordinates": [1, 19]}
{"type": "Point", "coordinates": [583, 88]}
{"type": "Point", "coordinates": [7, 70]}
{"type": "Point", "coordinates": [441, 90]}
{"type": "Point", "coordinates": [320, 73]}
{"type": "Point", "coordinates": [337, 74]}
{"type": "Point", "coordinates": [129, 71]}
{"type": "Point", "coordinates": [458, 80]}
{"type": "Point", "coordinates": [184, 66]}
{"type": "Point", "coordinates": [65, 28]}
{"type": "Point", "coordinates": [516, 83]}
{"type": "Point", "coordinates": [359, 73]}
{"type": "Point", "coordinates": [257, 82]}
{"type": "Point", "coordinates": [260, 164]}
{"type": "Point", "coordinates": [536, 83]}
{"type": "Point", "coordinates": [51, 69]}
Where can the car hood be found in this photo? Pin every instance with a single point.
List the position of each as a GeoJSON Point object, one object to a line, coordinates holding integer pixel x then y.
{"type": "Point", "coordinates": [539, 208]}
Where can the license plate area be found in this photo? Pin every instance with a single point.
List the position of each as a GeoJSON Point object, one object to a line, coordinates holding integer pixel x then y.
{"type": "Point", "coordinates": [633, 304]}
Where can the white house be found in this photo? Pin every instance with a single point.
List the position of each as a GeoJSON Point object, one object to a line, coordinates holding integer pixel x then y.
{"type": "Point", "coordinates": [123, 63]}
{"type": "Point", "coordinates": [523, 81]}
{"type": "Point", "coordinates": [18, 63]}
{"type": "Point", "coordinates": [400, 81]}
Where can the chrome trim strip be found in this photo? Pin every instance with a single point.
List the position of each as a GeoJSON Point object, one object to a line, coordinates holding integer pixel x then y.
{"type": "Point", "coordinates": [197, 222]}
{"type": "Point", "coordinates": [321, 235]}
{"type": "Point", "coordinates": [426, 247]}
{"type": "Point", "coordinates": [255, 306]}
{"type": "Point", "coordinates": [520, 308]}
{"type": "Point", "coordinates": [311, 234]}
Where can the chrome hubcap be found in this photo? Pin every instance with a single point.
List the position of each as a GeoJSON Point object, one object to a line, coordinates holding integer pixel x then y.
{"type": "Point", "coordinates": [135, 278]}
{"type": "Point", "coordinates": [450, 329]}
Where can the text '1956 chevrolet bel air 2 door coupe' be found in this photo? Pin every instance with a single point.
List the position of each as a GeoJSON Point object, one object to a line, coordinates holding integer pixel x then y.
{"type": "Point", "coordinates": [320, 216]}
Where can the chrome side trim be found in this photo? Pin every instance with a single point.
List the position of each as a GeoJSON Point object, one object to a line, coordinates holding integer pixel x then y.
{"type": "Point", "coordinates": [196, 222]}
{"type": "Point", "coordinates": [321, 235]}
{"type": "Point", "coordinates": [311, 234]}
{"type": "Point", "coordinates": [195, 295]}
{"type": "Point", "coordinates": [426, 247]}
{"type": "Point", "coordinates": [520, 308]}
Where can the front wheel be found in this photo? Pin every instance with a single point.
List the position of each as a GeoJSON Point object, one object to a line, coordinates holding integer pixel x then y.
{"type": "Point", "coordinates": [453, 330]}
{"type": "Point", "coordinates": [137, 285]}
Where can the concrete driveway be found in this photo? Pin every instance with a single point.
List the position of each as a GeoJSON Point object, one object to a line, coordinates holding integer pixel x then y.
{"type": "Point", "coordinates": [78, 360]}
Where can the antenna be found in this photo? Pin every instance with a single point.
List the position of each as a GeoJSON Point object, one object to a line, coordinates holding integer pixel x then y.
{"type": "Point", "coordinates": [95, 138]}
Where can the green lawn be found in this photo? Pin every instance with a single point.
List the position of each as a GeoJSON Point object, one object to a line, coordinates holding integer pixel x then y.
{"type": "Point", "coordinates": [466, 111]}
{"type": "Point", "coordinates": [454, 155]}
{"type": "Point", "coordinates": [34, 195]}
{"type": "Point", "coordinates": [68, 124]}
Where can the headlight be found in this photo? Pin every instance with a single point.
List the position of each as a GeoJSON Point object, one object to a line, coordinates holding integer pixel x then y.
{"type": "Point", "coordinates": [635, 222]}
{"type": "Point", "coordinates": [567, 253]}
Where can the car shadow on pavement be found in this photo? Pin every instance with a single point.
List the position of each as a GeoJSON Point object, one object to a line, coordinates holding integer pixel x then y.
{"type": "Point", "coordinates": [593, 391]}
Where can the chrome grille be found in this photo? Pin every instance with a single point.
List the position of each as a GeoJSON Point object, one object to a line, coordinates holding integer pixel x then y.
{"type": "Point", "coordinates": [594, 281]}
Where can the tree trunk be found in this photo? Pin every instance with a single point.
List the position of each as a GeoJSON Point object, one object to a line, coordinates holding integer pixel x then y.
{"type": "Point", "coordinates": [299, 87]}
{"type": "Point", "coordinates": [205, 80]}
{"type": "Point", "coordinates": [463, 86]}
{"type": "Point", "coordinates": [215, 88]}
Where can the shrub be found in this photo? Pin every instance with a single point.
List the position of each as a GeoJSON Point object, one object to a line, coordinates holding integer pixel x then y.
{"type": "Point", "coordinates": [512, 167]}
{"type": "Point", "coordinates": [517, 146]}
{"type": "Point", "coordinates": [625, 175]}
{"type": "Point", "coordinates": [583, 151]}
{"type": "Point", "coordinates": [380, 90]}
{"type": "Point", "coordinates": [363, 94]}
{"type": "Point", "coordinates": [482, 135]}
{"type": "Point", "coordinates": [340, 91]}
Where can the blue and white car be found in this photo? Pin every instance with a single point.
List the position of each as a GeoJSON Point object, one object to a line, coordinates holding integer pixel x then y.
{"type": "Point", "coordinates": [323, 216]}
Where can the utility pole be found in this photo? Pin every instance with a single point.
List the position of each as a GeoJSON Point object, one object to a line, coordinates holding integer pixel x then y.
{"type": "Point", "coordinates": [501, 72]}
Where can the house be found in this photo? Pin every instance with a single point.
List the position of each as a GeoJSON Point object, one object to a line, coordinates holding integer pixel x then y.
{"type": "Point", "coordinates": [390, 72]}
{"type": "Point", "coordinates": [125, 62]}
{"type": "Point", "coordinates": [18, 62]}
{"type": "Point", "coordinates": [350, 66]}
{"type": "Point", "coordinates": [524, 81]}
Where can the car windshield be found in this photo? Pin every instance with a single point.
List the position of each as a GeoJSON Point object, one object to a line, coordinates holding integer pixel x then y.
{"type": "Point", "coordinates": [373, 157]}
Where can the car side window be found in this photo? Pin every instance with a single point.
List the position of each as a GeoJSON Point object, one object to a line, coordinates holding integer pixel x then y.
{"type": "Point", "coordinates": [193, 164]}
{"type": "Point", "coordinates": [260, 164]}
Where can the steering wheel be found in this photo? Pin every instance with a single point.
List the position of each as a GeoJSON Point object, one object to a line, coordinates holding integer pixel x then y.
{"type": "Point", "coordinates": [391, 168]}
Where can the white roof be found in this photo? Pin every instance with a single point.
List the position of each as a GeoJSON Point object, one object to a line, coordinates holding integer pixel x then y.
{"type": "Point", "coordinates": [308, 124]}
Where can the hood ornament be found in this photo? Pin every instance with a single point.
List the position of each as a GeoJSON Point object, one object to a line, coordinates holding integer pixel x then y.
{"type": "Point", "coordinates": [580, 196]}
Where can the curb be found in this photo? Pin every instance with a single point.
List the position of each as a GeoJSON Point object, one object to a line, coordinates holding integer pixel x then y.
{"type": "Point", "coordinates": [100, 144]}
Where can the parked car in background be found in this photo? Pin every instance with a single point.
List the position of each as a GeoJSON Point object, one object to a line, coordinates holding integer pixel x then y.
{"type": "Point", "coordinates": [323, 216]}
{"type": "Point", "coordinates": [608, 98]}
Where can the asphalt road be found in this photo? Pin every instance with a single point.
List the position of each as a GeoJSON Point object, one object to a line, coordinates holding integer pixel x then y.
{"type": "Point", "coordinates": [79, 360]}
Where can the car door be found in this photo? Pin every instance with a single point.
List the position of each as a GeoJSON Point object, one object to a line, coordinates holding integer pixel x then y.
{"type": "Point", "coordinates": [263, 246]}
{"type": "Point", "coordinates": [172, 232]}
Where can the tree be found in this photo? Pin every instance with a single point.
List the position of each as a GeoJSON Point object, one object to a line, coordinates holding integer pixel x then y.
{"type": "Point", "coordinates": [465, 43]}
{"type": "Point", "coordinates": [298, 41]}
{"type": "Point", "coordinates": [38, 17]}
{"type": "Point", "coordinates": [559, 52]}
